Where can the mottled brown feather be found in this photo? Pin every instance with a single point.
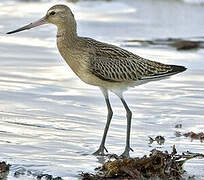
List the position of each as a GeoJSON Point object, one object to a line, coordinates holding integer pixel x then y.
{"type": "Point", "coordinates": [112, 63]}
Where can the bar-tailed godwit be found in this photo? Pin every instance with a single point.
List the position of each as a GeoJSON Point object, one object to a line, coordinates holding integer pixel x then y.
{"type": "Point", "coordinates": [109, 67]}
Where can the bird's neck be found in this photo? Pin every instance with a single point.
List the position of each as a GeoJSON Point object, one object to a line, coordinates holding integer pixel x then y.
{"type": "Point", "coordinates": [67, 34]}
{"type": "Point", "coordinates": [67, 40]}
{"type": "Point", "coordinates": [68, 46]}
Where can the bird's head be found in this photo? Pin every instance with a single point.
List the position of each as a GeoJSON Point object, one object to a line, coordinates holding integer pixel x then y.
{"type": "Point", "coordinates": [59, 15]}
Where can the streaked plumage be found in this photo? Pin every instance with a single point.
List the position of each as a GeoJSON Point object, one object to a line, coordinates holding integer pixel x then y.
{"type": "Point", "coordinates": [112, 63]}
{"type": "Point", "coordinates": [107, 66]}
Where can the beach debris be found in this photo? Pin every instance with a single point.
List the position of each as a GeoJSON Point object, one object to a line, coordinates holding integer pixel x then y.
{"type": "Point", "coordinates": [4, 167]}
{"type": "Point", "coordinates": [159, 139]}
{"type": "Point", "coordinates": [192, 135]}
{"type": "Point", "coordinates": [186, 44]}
{"type": "Point", "coordinates": [158, 164]}
{"type": "Point", "coordinates": [4, 170]}
{"type": "Point", "coordinates": [178, 134]}
{"type": "Point", "coordinates": [20, 172]}
{"type": "Point", "coordinates": [23, 172]}
{"type": "Point", "coordinates": [191, 177]}
{"type": "Point", "coordinates": [47, 177]}
{"type": "Point", "coordinates": [178, 126]}
{"type": "Point", "coordinates": [179, 44]}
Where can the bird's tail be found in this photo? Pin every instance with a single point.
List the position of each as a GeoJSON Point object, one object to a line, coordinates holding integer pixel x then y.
{"type": "Point", "coordinates": [177, 69]}
{"type": "Point", "coordinates": [174, 69]}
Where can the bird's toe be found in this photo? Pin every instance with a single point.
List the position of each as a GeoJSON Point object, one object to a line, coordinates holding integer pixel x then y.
{"type": "Point", "coordinates": [126, 153]}
{"type": "Point", "coordinates": [100, 151]}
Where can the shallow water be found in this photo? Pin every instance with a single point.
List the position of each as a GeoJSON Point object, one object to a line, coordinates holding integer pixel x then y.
{"type": "Point", "coordinates": [51, 122]}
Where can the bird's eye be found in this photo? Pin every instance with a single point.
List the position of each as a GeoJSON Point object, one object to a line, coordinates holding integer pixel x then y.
{"type": "Point", "coordinates": [52, 13]}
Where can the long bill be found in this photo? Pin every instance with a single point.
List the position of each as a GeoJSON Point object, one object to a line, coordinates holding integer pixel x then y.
{"type": "Point", "coordinates": [29, 26]}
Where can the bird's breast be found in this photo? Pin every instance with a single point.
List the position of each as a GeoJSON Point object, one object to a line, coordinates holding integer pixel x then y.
{"type": "Point", "coordinates": [77, 61]}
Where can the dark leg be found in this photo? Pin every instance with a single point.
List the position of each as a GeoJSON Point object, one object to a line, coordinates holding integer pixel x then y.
{"type": "Point", "coordinates": [101, 149]}
{"type": "Point", "coordinates": [129, 117]}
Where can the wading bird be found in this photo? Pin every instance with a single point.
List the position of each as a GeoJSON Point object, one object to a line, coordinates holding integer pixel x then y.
{"type": "Point", "coordinates": [109, 67]}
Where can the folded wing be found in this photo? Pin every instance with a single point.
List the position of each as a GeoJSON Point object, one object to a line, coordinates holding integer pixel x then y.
{"type": "Point", "coordinates": [130, 69]}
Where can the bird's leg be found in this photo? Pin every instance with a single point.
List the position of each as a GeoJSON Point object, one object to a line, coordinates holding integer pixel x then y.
{"type": "Point", "coordinates": [129, 117]}
{"type": "Point", "coordinates": [101, 149]}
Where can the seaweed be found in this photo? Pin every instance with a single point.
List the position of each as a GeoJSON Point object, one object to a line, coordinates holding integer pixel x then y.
{"type": "Point", "coordinates": [159, 139]}
{"type": "Point", "coordinates": [179, 44]}
{"type": "Point", "coordinates": [192, 135]}
{"type": "Point", "coordinates": [4, 170]}
{"type": "Point", "coordinates": [23, 172]}
{"type": "Point", "coordinates": [158, 164]}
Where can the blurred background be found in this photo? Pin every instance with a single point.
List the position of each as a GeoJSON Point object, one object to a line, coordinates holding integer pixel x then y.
{"type": "Point", "coordinates": [51, 122]}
